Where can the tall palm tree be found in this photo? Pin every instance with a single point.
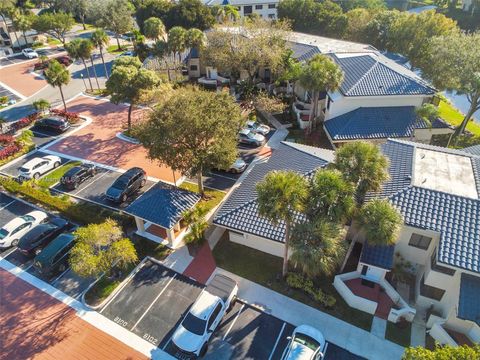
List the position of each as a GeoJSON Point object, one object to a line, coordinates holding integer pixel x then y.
{"type": "Point", "coordinates": [86, 51]}
{"type": "Point", "coordinates": [177, 37]}
{"type": "Point", "coordinates": [281, 195]}
{"type": "Point", "coordinates": [153, 28]}
{"type": "Point", "coordinates": [363, 165]}
{"type": "Point", "coordinates": [100, 39]}
{"type": "Point", "coordinates": [231, 12]}
{"type": "Point", "coordinates": [76, 51]}
{"type": "Point", "coordinates": [194, 38]}
{"type": "Point", "coordinates": [57, 75]}
{"type": "Point", "coordinates": [380, 222]}
{"type": "Point", "coordinates": [320, 74]}
{"type": "Point", "coordinates": [318, 247]}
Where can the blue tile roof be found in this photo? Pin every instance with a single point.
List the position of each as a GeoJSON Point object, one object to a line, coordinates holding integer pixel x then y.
{"type": "Point", "coordinates": [240, 210]}
{"type": "Point", "coordinates": [303, 52]}
{"type": "Point", "coordinates": [379, 256]}
{"type": "Point", "coordinates": [468, 304]}
{"type": "Point", "coordinates": [366, 76]}
{"type": "Point", "coordinates": [163, 205]}
{"type": "Point", "coordinates": [475, 150]}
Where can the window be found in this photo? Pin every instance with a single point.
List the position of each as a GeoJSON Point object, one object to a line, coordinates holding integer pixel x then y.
{"type": "Point", "coordinates": [439, 268]}
{"type": "Point", "coordinates": [271, 6]}
{"type": "Point", "coordinates": [271, 16]}
{"type": "Point", "coordinates": [430, 291]}
{"type": "Point", "coordinates": [258, 7]}
{"type": "Point", "coordinates": [214, 315]}
{"type": "Point", "coordinates": [193, 67]}
{"type": "Point", "coordinates": [247, 10]}
{"type": "Point", "coordinates": [420, 241]}
{"type": "Point", "coordinates": [236, 233]}
{"type": "Point", "coordinates": [364, 270]}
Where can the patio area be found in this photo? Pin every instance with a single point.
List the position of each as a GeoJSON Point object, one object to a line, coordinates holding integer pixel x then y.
{"type": "Point", "coordinates": [374, 292]}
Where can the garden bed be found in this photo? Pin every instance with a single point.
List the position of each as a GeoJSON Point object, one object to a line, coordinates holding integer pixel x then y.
{"type": "Point", "coordinates": [265, 269]}
{"type": "Point", "coordinates": [211, 199]}
{"type": "Point", "coordinates": [399, 333]}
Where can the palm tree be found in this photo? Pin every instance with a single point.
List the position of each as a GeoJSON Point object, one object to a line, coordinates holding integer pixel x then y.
{"type": "Point", "coordinates": [24, 22]}
{"type": "Point", "coordinates": [100, 39]}
{"type": "Point", "coordinates": [177, 37]}
{"type": "Point", "coordinates": [76, 51]}
{"type": "Point", "coordinates": [86, 51]}
{"type": "Point", "coordinates": [194, 38]}
{"type": "Point", "coordinates": [330, 197]}
{"type": "Point", "coordinates": [281, 196]}
{"type": "Point", "coordinates": [320, 74]}
{"type": "Point", "coordinates": [231, 12]}
{"type": "Point", "coordinates": [363, 165]}
{"type": "Point", "coordinates": [57, 75]}
{"type": "Point", "coordinates": [318, 247]}
{"type": "Point", "coordinates": [41, 105]}
{"type": "Point", "coordinates": [380, 222]}
{"type": "Point", "coordinates": [6, 7]}
{"type": "Point", "coordinates": [153, 28]}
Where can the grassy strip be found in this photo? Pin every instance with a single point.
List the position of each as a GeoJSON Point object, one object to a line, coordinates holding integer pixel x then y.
{"type": "Point", "coordinates": [400, 335]}
{"type": "Point", "coordinates": [79, 212]}
{"type": "Point", "coordinates": [265, 269]}
{"type": "Point", "coordinates": [113, 49]}
{"type": "Point", "coordinates": [55, 176]}
{"type": "Point", "coordinates": [454, 117]}
{"type": "Point", "coordinates": [211, 199]}
{"type": "Point", "coordinates": [100, 291]}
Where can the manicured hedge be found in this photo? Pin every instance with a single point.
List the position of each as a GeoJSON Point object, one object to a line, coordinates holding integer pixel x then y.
{"type": "Point", "coordinates": [72, 117]}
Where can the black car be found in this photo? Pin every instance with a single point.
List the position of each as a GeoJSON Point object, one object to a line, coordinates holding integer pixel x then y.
{"type": "Point", "coordinates": [35, 240]}
{"type": "Point", "coordinates": [54, 257]}
{"type": "Point", "coordinates": [126, 184]}
{"type": "Point", "coordinates": [77, 175]}
{"type": "Point", "coordinates": [53, 123]}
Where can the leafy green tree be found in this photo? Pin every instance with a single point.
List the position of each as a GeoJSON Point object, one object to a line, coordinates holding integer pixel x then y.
{"type": "Point", "coordinates": [330, 197]}
{"type": "Point", "coordinates": [100, 40]}
{"type": "Point", "coordinates": [190, 14]}
{"type": "Point", "coordinates": [57, 75]}
{"type": "Point", "coordinates": [129, 82]}
{"type": "Point", "coordinates": [194, 38]}
{"type": "Point", "coordinates": [445, 352]}
{"type": "Point", "coordinates": [154, 28]}
{"type": "Point", "coordinates": [358, 20]}
{"type": "Point", "coordinates": [363, 165]}
{"type": "Point", "coordinates": [230, 51]}
{"type": "Point", "coordinates": [377, 31]}
{"type": "Point", "coordinates": [193, 131]}
{"type": "Point", "coordinates": [81, 49]}
{"type": "Point", "coordinates": [6, 8]}
{"type": "Point", "coordinates": [363, 4]}
{"type": "Point", "coordinates": [428, 113]}
{"type": "Point", "coordinates": [380, 222]}
{"type": "Point", "coordinates": [281, 195]}
{"type": "Point", "coordinates": [41, 105]}
{"type": "Point", "coordinates": [453, 62]}
{"type": "Point", "coordinates": [78, 8]}
{"type": "Point", "coordinates": [321, 73]}
{"type": "Point", "coordinates": [409, 34]}
{"type": "Point", "coordinates": [116, 16]}
{"type": "Point", "coordinates": [54, 24]}
{"type": "Point", "coordinates": [289, 70]}
{"type": "Point", "coordinates": [154, 8]}
{"type": "Point", "coordinates": [99, 248]}
{"type": "Point", "coordinates": [177, 40]}
{"type": "Point", "coordinates": [318, 247]}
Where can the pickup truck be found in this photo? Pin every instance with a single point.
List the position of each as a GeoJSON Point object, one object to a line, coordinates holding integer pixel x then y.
{"type": "Point", "coordinates": [191, 337]}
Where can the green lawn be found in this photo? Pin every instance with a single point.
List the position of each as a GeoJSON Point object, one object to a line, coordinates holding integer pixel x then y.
{"type": "Point", "coordinates": [211, 199]}
{"type": "Point", "coordinates": [52, 41]}
{"type": "Point", "coordinates": [454, 117]}
{"type": "Point", "coordinates": [265, 269]}
{"type": "Point", "coordinates": [113, 49]}
{"type": "Point", "coordinates": [399, 334]}
{"type": "Point", "coordinates": [101, 290]}
{"type": "Point", "coordinates": [55, 176]}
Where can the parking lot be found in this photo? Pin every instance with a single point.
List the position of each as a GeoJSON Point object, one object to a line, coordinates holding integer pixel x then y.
{"type": "Point", "coordinates": [94, 189]}
{"type": "Point", "coordinates": [12, 168]}
{"type": "Point", "coordinates": [10, 95]}
{"type": "Point", "coordinates": [20, 58]}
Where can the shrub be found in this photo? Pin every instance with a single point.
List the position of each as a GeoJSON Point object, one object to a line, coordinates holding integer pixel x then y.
{"type": "Point", "coordinates": [9, 150]}
{"type": "Point", "coordinates": [298, 281]}
{"type": "Point", "coordinates": [6, 139]}
{"type": "Point", "coordinates": [72, 117]}
{"type": "Point", "coordinates": [3, 100]}
{"type": "Point", "coordinates": [24, 122]}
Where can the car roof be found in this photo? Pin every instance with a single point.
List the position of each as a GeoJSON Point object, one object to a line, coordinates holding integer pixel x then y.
{"type": "Point", "coordinates": [73, 171]}
{"type": "Point", "coordinates": [13, 224]}
{"type": "Point", "coordinates": [33, 162]}
{"type": "Point", "coordinates": [54, 247]}
{"type": "Point", "coordinates": [204, 305]}
{"type": "Point", "coordinates": [244, 131]}
{"type": "Point", "coordinates": [57, 118]}
{"type": "Point", "coordinates": [37, 230]}
{"type": "Point", "coordinates": [130, 172]}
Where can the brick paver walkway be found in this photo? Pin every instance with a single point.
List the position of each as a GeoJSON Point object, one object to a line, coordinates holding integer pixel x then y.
{"type": "Point", "coordinates": [202, 266]}
{"type": "Point", "coordinates": [34, 325]}
{"type": "Point", "coordinates": [18, 78]}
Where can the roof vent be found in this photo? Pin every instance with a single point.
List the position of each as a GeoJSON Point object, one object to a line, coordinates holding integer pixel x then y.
{"type": "Point", "coordinates": [424, 181]}
{"type": "Point", "coordinates": [422, 156]}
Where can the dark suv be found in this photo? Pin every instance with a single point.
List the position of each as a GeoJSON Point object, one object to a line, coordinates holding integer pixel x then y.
{"type": "Point", "coordinates": [35, 240]}
{"type": "Point", "coordinates": [126, 185]}
{"type": "Point", "coordinates": [54, 257]}
{"type": "Point", "coordinates": [77, 175]}
{"type": "Point", "coordinates": [53, 123]}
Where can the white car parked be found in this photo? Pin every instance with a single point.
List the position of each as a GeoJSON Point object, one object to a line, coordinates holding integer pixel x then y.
{"type": "Point", "coordinates": [38, 166]}
{"type": "Point", "coordinates": [258, 128]}
{"type": "Point", "coordinates": [306, 343]}
{"type": "Point", "coordinates": [16, 228]}
{"type": "Point", "coordinates": [192, 335]}
{"type": "Point", "coordinates": [29, 53]}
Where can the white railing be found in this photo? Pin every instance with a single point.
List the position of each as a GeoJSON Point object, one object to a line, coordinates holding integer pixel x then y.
{"type": "Point", "coordinates": [350, 298]}
{"type": "Point", "coordinates": [441, 335]}
{"type": "Point", "coordinates": [405, 311]}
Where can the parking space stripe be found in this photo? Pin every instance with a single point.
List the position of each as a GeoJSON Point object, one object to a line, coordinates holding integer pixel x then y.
{"type": "Point", "coordinates": [93, 182]}
{"type": "Point", "coordinates": [58, 277]}
{"type": "Point", "coordinates": [11, 252]}
{"type": "Point", "coordinates": [114, 296]}
{"type": "Point", "coordinates": [223, 176]}
{"type": "Point", "coordinates": [153, 302]}
{"type": "Point", "coordinates": [233, 322]}
{"type": "Point", "coordinates": [277, 341]}
{"type": "Point", "coordinates": [10, 203]}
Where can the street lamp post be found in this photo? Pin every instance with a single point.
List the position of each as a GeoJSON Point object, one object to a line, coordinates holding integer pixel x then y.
{"type": "Point", "coordinates": [84, 83]}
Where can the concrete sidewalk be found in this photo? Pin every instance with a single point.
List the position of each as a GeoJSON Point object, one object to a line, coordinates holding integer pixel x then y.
{"type": "Point", "coordinates": [339, 332]}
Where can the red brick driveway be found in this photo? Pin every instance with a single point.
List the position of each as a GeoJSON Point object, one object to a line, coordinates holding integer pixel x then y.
{"type": "Point", "coordinates": [19, 78]}
{"type": "Point", "coordinates": [34, 325]}
{"type": "Point", "coordinates": [98, 142]}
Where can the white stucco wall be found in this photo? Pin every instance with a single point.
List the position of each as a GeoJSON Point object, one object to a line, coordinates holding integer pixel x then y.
{"type": "Point", "coordinates": [263, 12]}
{"type": "Point", "coordinates": [259, 243]}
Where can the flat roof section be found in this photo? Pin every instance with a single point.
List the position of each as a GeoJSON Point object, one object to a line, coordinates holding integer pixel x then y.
{"type": "Point", "coordinates": [444, 172]}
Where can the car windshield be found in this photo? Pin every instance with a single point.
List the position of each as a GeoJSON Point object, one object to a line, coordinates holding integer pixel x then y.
{"type": "Point", "coordinates": [251, 135]}
{"type": "Point", "coordinates": [307, 341]}
{"type": "Point", "coordinates": [194, 324]}
{"type": "Point", "coordinates": [27, 218]}
{"type": "Point", "coordinates": [120, 183]}
{"type": "Point", "coordinates": [3, 233]}
{"type": "Point", "coordinates": [23, 169]}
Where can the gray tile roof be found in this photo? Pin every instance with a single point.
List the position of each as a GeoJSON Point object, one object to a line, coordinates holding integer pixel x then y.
{"type": "Point", "coordinates": [240, 210]}
{"type": "Point", "coordinates": [163, 205]}
{"type": "Point", "coordinates": [366, 76]}
{"type": "Point", "coordinates": [379, 256]}
{"type": "Point", "coordinates": [475, 150]}
{"type": "Point", "coordinates": [468, 304]}
{"type": "Point", "coordinates": [302, 52]}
